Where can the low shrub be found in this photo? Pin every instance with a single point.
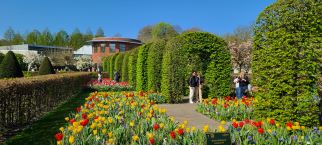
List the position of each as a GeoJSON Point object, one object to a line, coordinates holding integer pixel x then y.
{"type": "Point", "coordinates": [9, 67]}
{"type": "Point", "coordinates": [46, 67]}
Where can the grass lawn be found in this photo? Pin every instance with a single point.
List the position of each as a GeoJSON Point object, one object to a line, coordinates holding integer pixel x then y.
{"type": "Point", "coordinates": [42, 131]}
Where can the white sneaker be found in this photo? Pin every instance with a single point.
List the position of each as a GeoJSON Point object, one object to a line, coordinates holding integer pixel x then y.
{"type": "Point", "coordinates": [190, 102]}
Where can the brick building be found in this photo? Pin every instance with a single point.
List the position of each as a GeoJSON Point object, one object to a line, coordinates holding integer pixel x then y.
{"type": "Point", "coordinates": [104, 46]}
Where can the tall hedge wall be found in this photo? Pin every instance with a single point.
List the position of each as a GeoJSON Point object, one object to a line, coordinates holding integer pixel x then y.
{"type": "Point", "coordinates": [141, 68]}
{"type": "Point", "coordinates": [118, 62]}
{"type": "Point", "coordinates": [26, 99]}
{"type": "Point", "coordinates": [132, 66]}
{"type": "Point", "coordinates": [154, 64]}
{"type": "Point", "coordinates": [112, 63]}
{"type": "Point", "coordinates": [288, 41]}
{"type": "Point", "coordinates": [124, 74]}
{"type": "Point", "coordinates": [107, 64]}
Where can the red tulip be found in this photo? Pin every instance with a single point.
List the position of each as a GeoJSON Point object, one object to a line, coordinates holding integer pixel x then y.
{"type": "Point", "coordinates": [84, 116]}
{"type": "Point", "coordinates": [155, 126]}
{"type": "Point", "coordinates": [225, 105]}
{"type": "Point", "coordinates": [214, 101]}
{"type": "Point", "coordinates": [172, 134]}
{"type": "Point", "coordinates": [84, 122]}
{"type": "Point", "coordinates": [241, 124]}
{"type": "Point", "coordinates": [180, 131]}
{"type": "Point", "coordinates": [72, 121]}
{"type": "Point", "coordinates": [152, 103]}
{"type": "Point", "coordinates": [59, 136]}
{"type": "Point", "coordinates": [260, 130]}
{"type": "Point", "coordinates": [235, 124]}
{"type": "Point", "coordinates": [289, 124]}
{"type": "Point", "coordinates": [152, 140]}
{"type": "Point", "coordinates": [272, 121]}
{"type": "Point", "coordinates": [78, 109]}
{"type": "Point", "coordinates": [247, 121]}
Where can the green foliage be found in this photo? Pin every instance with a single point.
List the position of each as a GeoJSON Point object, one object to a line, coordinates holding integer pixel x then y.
{"type": "Point", "coordinates": [10, 67]}
{"type": "Point", "coordinates": [200, 51]}
{"type": "Point", "coordinates": [46, 67]}
{"type": "Point", "coordinates": [118, 62]}
{"type": "Point", "coordinates": [112, 64]}
{"type": "Point", "coordinates": [22, 64]}
{"type": "Point", "coordinates": [99, 32]}
{"type": "Point", "coordinates": [141, 68]}
{"type": "Point", "coordinates": [125, 68]}
{"type": "Point", "coordinates": [154, 64]}
{"type": "Point", "coordinates": [61, 38]}
{"type": "Point", "coordinates": [46, 38]}
{"type": "Point", "coordinates": [132, 66]}
{"type": "Point", "coordinates": [1, 57]}
{"type": "Point", "coordinates": [76, 39]}
{"type": "Point", "coordinates": [288, 39]}
{"type": "Point", "coordinates": [163, 31]}
{"type": "Point", "coordinates": [33, 37]}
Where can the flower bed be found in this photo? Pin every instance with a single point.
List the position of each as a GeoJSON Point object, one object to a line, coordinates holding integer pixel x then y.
{"type": "Point", "coordinates": [227, 108]}
{"type": "Point", "coordinates": [125, 118]}
{"type": "Point", "coordinates": [108, 85]}
{"type": "Point", "coordinates": [245, 131]}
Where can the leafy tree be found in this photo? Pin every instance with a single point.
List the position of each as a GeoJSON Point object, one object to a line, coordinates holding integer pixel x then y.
{"type": "Point", "coordinates": [46, 67]}
{"type": "Point", "coordinates": [46, 38]}
{"type": "Point", "coordinates": [132, 65]}
{"type": "Point", "coordinates": [10, 67]}
{"type": "Point", "coordinates": [141, 68]}
{"type": "Point", "coordinates": [193, 29]}
{"type": "Point", "coordinates": [33, 37]}
{"type": "Point", "coordinates": [61, 38]}
{"type": "Point", "coordinates": [4, 42]}
{"type": "Point", "coordinates": [17, 39]}
{"type": "Point", "coordinates": [145, 34]}
{"type": "Point", "coordinates": [287, 48]}
{"type": "Point", "coordinates": [83, 62]}
{"type": "Point", "coordinates": [163, 31]}
{"type": "Point", "coordinates": [9, 34]}
{"type": "Point", "coordinates": [154, 64]}
{"type": "Point", "coordinates": [76, 39]}
{"type": "Point", "coordinates": [125, 63]}
{"type": "Point", "coordinates": [99, 32]}
{"type": "Point", "coordinates": [88, 35]}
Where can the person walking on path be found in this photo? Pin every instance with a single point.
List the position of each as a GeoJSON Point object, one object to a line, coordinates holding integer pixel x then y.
{"type": "Point", "coordinates": [193, 82]}
{"type": "Point", "coordinates": [238, 88]}
{"type": "Point", "coordinates": [200, 84]}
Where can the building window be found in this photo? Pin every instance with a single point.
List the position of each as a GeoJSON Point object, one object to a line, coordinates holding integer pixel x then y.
{"type": "Point", "coordinates": [103, 47]}
{"type": "Point", "coordinates": [122, 47]}
{"type": "Point", "coordinates": [112, 47]}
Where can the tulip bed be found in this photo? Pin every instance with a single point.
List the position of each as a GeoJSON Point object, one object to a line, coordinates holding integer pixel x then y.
{"type": "Point", "coordinates": [247, 131]}
{"type": "Point", "coordinates": [108, 85]}
{"type": "Point", "coordinates": [125, 118]}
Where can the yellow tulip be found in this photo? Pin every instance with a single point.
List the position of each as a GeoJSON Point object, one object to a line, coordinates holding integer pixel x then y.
{"type": "Point", "coordinates": [59, 142]}
{"type": "Point", "coordinates": [75, 124]}
{"type": "Point", "coordinates": [71, 139]}
{"type": "Point", "coordinates": [147, 119]}
{"type": "Point", "coordinates": [193, 128]}
{"type": "Point", "coordinates": [185, 122]}
{"type": "Point", "coordinates": [297, 123]}
{"type": "Point", "coordinates": [302, 127]}
{"type": "Point", "coordinates": [234, 120]}
{"type": "Point", "coordinates": [132, 123]}
{"type": "Point", "coordinates": [320, 128]}
{"type": "Point", "coordinates": [172, 118]}
{"type": "Point", "coordinates": [223, 122]}
{"type": "Point", "coordinates": [70, 128]}
{"type": "Point", "coordinates": [79, 129]}
{"type": "Point", "coordinates": [135, 137]}
{"type": "Point", "coordinates": [205, 128]}
{"type": "Point", "coordinates": [99, 125]}
{"type": "Point", "coordinates": [187, 129]}
{"type": "Point", "coordinates": [110, 140]}
{"type": "Point", "coordinates": [269, 131]}
{"type": "Point", "coordinates": [277, 125]}
{"type": "Point", "coordinates": [110, 134]}
{"type": "Point", "coordinates": [67, 118]}
{"type": "Point", "coordinates": [61, 129]}
{"type": "Point", "coordinates": [104, 131]}
{"type": "Point", "coordinates": [161, 125]}
{"type": "Point", "coordinates": [94, 132]}
{"type": "Point", "coordinates": [149, 135]}
{"type": "Point", "coordinates": [288, 128]}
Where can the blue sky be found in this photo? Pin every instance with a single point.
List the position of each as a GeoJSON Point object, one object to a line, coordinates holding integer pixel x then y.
{"type": "Point", "coordinates": [127, 16]}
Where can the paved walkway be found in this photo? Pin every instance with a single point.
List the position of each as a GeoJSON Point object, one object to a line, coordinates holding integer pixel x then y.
{"type": "Point", "coordinates": [188, 112]}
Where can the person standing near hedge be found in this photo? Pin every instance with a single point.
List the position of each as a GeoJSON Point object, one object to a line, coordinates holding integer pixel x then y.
{"type": "Point", "coordinates": [193, 82]}
{"type": "Point", "coordinates": [200, 84]}
{"type": "Point", "coordinates": [99, 77]}
{"type": "Point", "coordinates": [238, 87]}
{"type": "Point", "coordinates": [243, 83]}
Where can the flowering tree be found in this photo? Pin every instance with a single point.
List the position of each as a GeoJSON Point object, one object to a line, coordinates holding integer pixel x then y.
{"type": "Point", "coordinates": [83, 62]}
{"type": "Point", "coordinates": [32, 59]}
{"type": "Point", "coordinates": [241, 54]}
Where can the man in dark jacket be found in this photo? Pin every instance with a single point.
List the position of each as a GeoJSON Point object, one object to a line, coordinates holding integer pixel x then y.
{"type": "Point", "coordinates": [193, 83]}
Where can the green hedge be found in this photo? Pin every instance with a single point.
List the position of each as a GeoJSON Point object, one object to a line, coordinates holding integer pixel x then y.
{"type": "Point", "coordinates": [118, 62]}
{"type": "Point", "coordinates": [132, 66]}
{"type": "Point", "coordinates": [124, 74]}
{"type": "Point", "coordinates": [154, 65]}
{"type": "Point", "coordinates": [46, 67]}
{"type": "Point", "coordinates": [112, 63]}
{"type": "Point", "coordinates": [24, 100]}
{"type": "Point", "coordinates": [141, 68]}
{"type": "Point", "coordinates": [106, 64]}
{"type": "Point", "coordinates": [288, 42]}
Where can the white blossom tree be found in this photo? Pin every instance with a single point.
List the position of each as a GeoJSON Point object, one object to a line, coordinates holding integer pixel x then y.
{"type": "Point", "coordinates": [32, 59]}
{"type": "Point", "coordinates": [241, 54]}
{"type": "Point", "coordinates": [83, 62]}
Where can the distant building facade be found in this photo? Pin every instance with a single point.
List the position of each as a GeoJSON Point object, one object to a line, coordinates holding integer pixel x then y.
{"type": "Point", "coordinates": [39, 49]}
{"type": "Point", "coordinates": [85, 50]}
{"type": "Point", "coordinates": [104, 46]}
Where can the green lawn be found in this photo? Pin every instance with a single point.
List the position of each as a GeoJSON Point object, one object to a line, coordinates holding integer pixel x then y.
{"type": "Point", "coordinates": [42, 131]}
